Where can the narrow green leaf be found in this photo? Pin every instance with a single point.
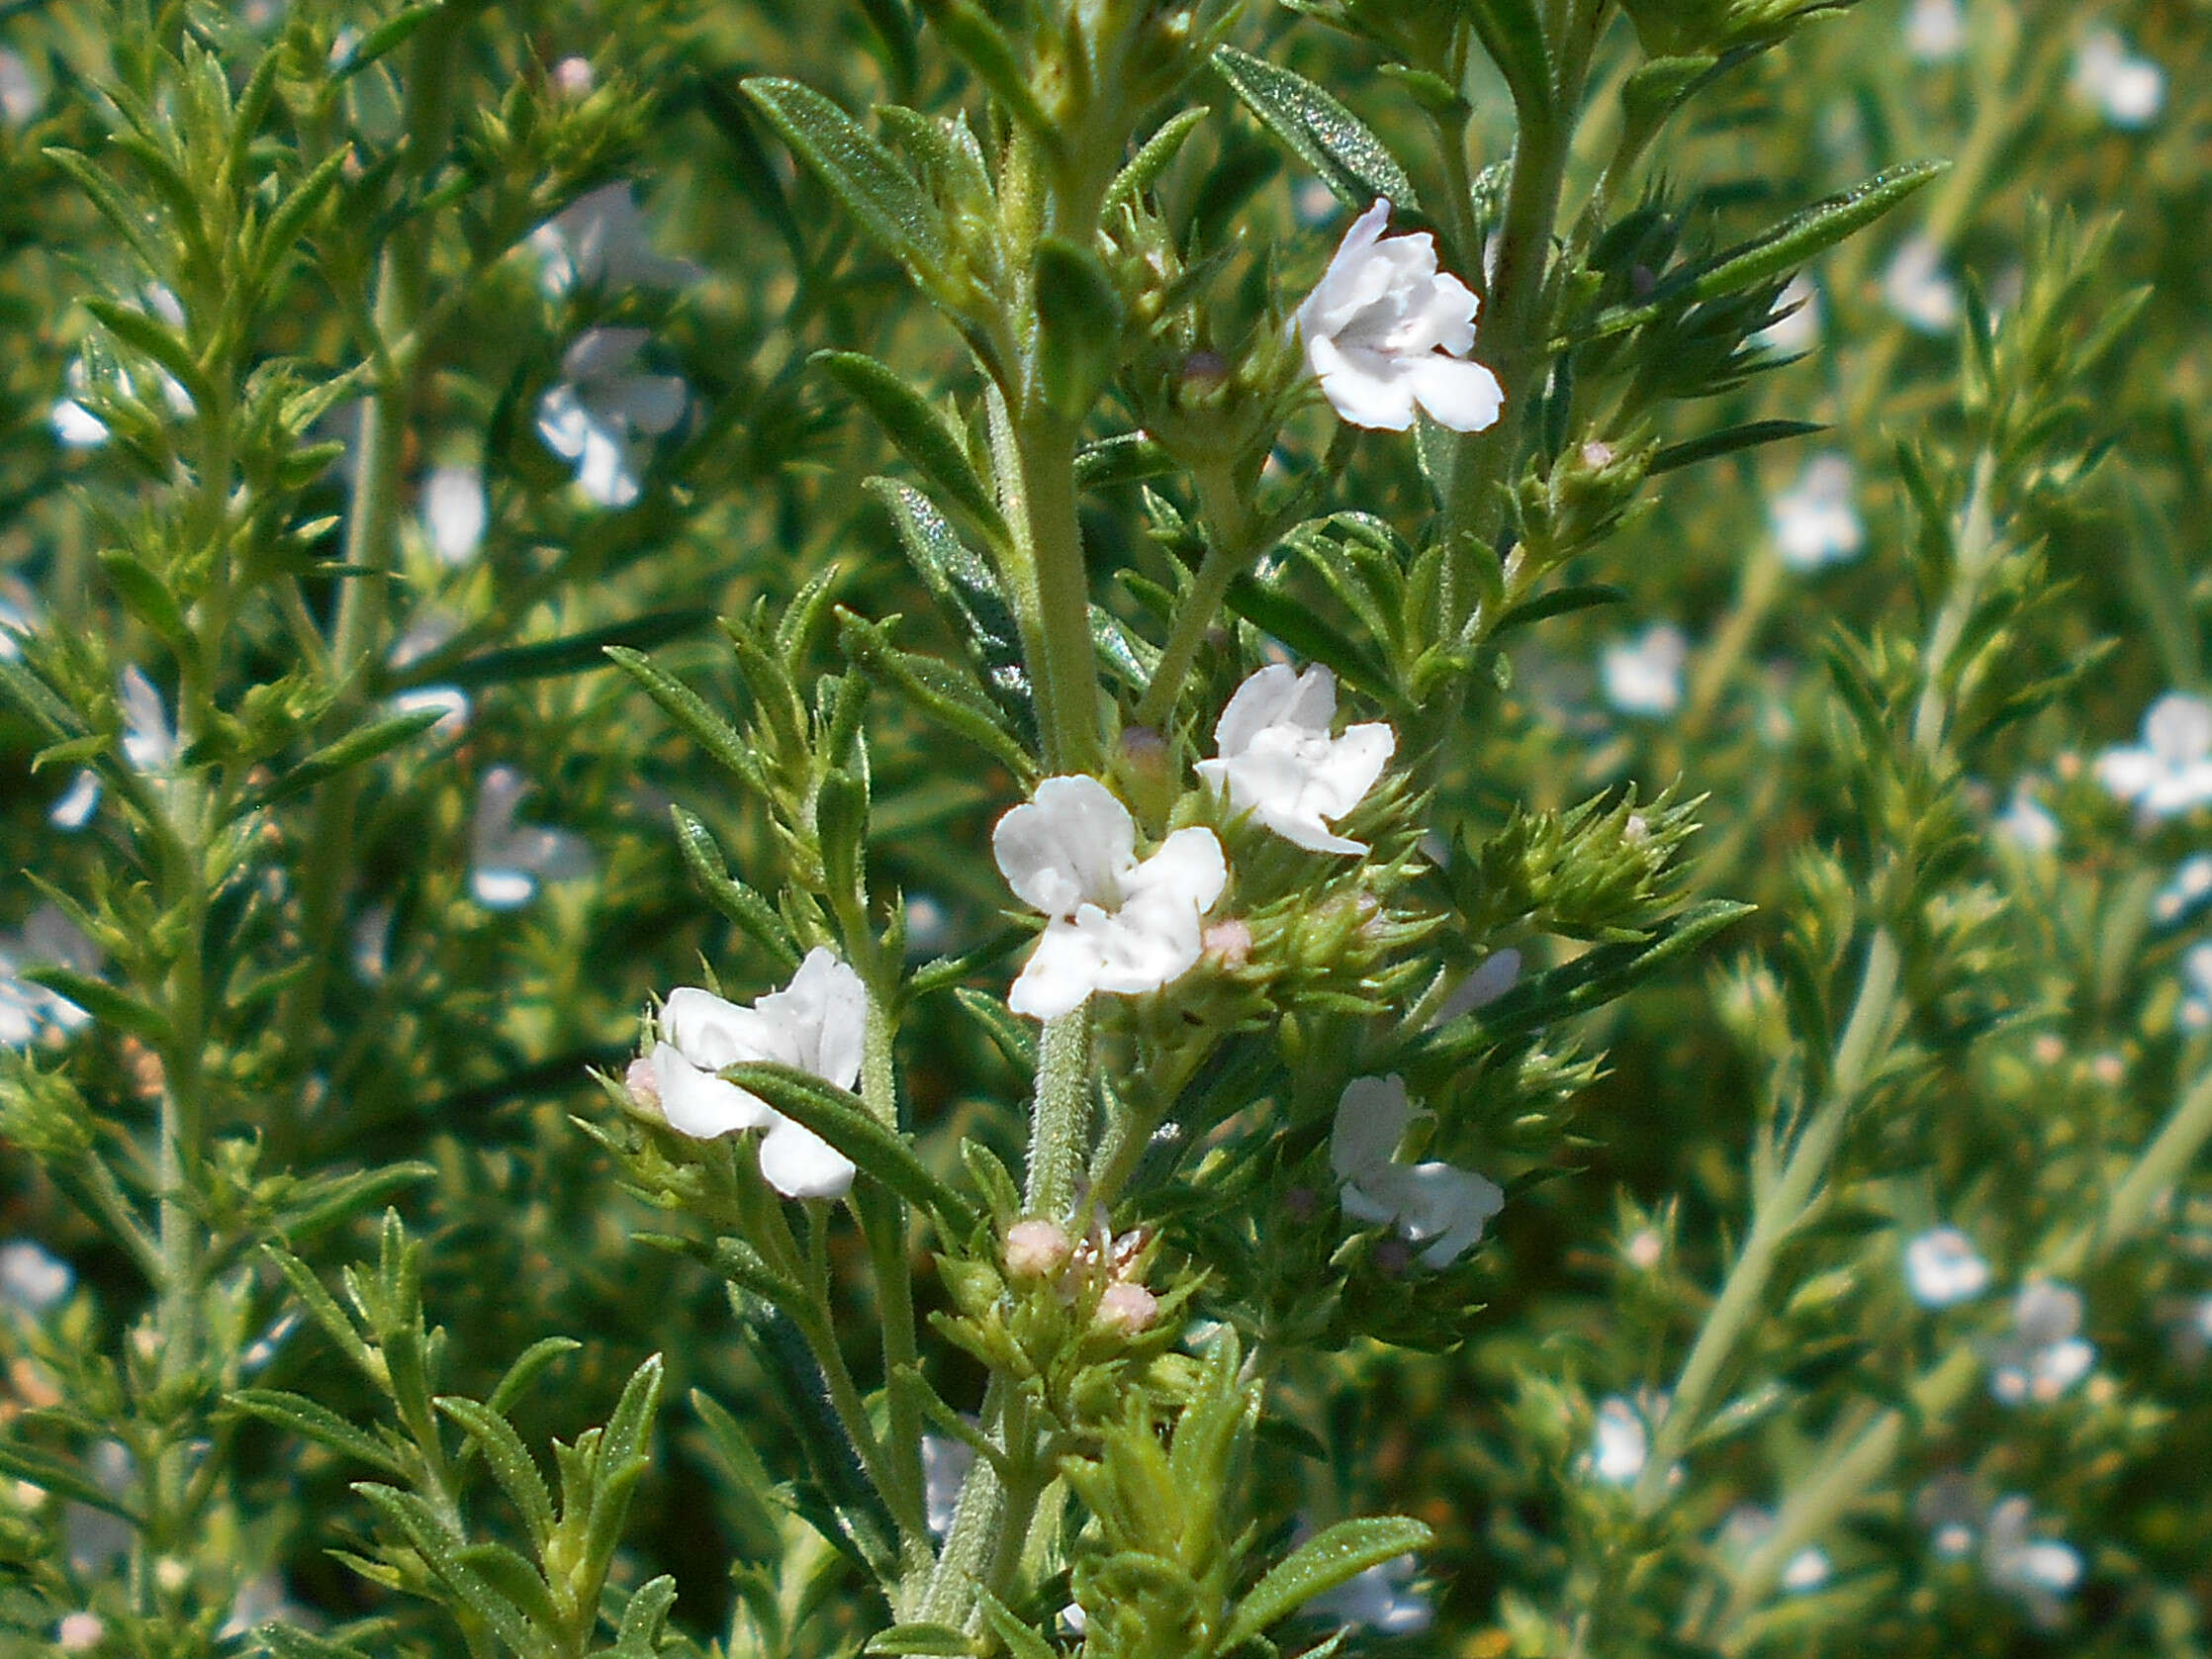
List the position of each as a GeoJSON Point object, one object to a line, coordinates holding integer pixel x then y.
{"type": "Point", "coordinates": [286, 1641]}
{"type": "Point", "coordinates": [103, 1002]}
{"type": "Point", "coordinates": [739, 902]}
{"type": "Point", "coordinates": [939, 1642]}
{"type": "Point", "coordinates": [354, 749]}
{"type": "Point", "coordinates": [446, 1556]}
{"type": "Point", "coordinates": [516, 1578]}
{"type": "Point", "coordinates": [1079, 326]}
{"type": "Point", "coordinates": [1513, 35]}
{"type": "Point", "coordinates": [1320, 1564]}
{"type": "Point", "coordinates": [968, 29]}
{"type": "Point", "coordinates": [509, 1459]}
{"type": "Point", "coordinates": [144, 595]}
{"type": "Point", "coordinates": [689, 710]}
{"type": "Point", "coordinates": [281, 236]}
{"type": "Point", "coordinates": [1020, 1642]}
{"type": "Point", "coordinates": [1729, 441]}
{"type": "Point", "coordinates": [1152, 159]}
{"type": "Point", "coordinates": [318, 1422]}
{"type": "Point", "coordinates": [860, 172]}
{"type": "Point", "coordinates": [843, 1119]}
{"type": "Point", "coordinates": [155, 339]}
{"type": "Point", "coordinates": [318, 1206]}
{"type": "Point", "coordinates": [570, 653]}
{"type": "Point", "coordinates": [30, 695]}
{"type": "Point", "coordinates": [386, 37]}
{"type": "Point", "coordinates": [320, 1307]}
{"type": "Point", "coordinates": [133, 226]}
{"type": "Point", "coordinates": [921, 434]}
{"type": "Point", "coordinates": [969, 594]}
{"type": "Point", "coordinates": [1275, 612]}
{"type": "Point", "coordinates": [938, 689]}
{"type": "Point", "coordinates": [1559, 602]}
{"type": "Point", "coordinates": [1131, 458]}
{"type": "Point", "coordinates": [51, 1473]}
{"type": "Point", "coordinates": [732, 1259]}
{"type": "Point", "coordinates": [1319, 131]}
{"type": "Point", "coordinates": [527, 1366]}
{"type": "Point", "coordinates": [638, 1636]}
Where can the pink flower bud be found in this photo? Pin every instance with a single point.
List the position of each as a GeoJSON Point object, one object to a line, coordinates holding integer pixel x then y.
{"type": "Point", "coordinates": [644, 1087]}
{"type": "Point", "coordinates": [1036, 1250]}
{"type": "Point", "coordinates": [572, 77]}
{"type": "Point", "coordinates": [1229, 941]}
{"type": "Point", "coordinates": [1128, 1309]}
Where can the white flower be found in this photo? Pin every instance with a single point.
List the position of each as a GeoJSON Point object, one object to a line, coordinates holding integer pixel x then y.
{"type": "Point", "coordinates": [1949, 1509]}
{"type": "Point", "coordinates": [601, 414]}
{"type": "Point", "coordinates": [2126, 89]}
{"type": "Point", "coordinates": [32, 1278]}
{"type": "Point", "coordinates": [2170, 772]}
{"type": "Point", "coordinates": [1434, 1204]}
{"type": "Point", "coordinates": [79, 1632]}
{"type": "Point", "coordinates": [449, 702]}
{"type": "Point", "coordinates": [149, 743]}
{"type": "Point", "coordinates": [73, 808]}
{"type": "Point", "coordinates": [1495, 974]}
{"type": "Point", "coordinates": [2044, 1356]}
{"type": "Point", "coordinates": [2185, 892]}
{"type": "Point", "coordinates": [2038, 1571]}
{"type": "Point", "coordinates": [2027, 823]}
{"type": "Point", "coordinates": [599, 240]}
{"type": "Point", "coordinates": [817, 1024]}
{"type": "Point", "coordinates": [1385, 331]}
{"type": "Point", "coordinates": [1116, 925]}
{"type": "Point", "coordinates": [1941, 1267]}
{"type": "Point", "coordinates": [1643, 675]}
{"type": "Point", "coordinates": [1800, 328]}
{"type": "Point", "coordinates": [1935, 31]}
{"type": "Point", "coordinates": [1620, 1443]}
{"type": "Point", "coordinates": [28, 1010]}
{"type": "Point", "coordinates": [945, 1465]}
{"type": "Point", "coordinates": [1277, 761]}
{"type": "Point", "coordinates": [508, 859]}
{"type": "Point", "coordinates": [455, 513]}
{"type": "Point", "coordinates": [1381, 1599]}
{"type": "Point", "coordinates": [1814, 523]}
{"type": "Point", "coordinates": [1918, 289]}
{"type": "Point", "coordinates": [19, 93]}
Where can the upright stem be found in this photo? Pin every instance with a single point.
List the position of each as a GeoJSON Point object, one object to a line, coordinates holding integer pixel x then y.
{"type": "Point", "coordinates": [1069, 664]}
{"type": "Point", "coordinates": [1977, 547]}
{"type": "Point", "coordinates": [1060, 1122]}
{"type": "Point", "coordinates": [1232, 544]}
{"type": "Point", "coordinates": [371, 545]}
{"type": "Point", "coordinates": [1738, 1305]}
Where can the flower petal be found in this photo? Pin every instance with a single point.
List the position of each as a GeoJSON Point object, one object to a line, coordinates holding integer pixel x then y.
{"type": "Point", "coordinates": [1457, 394]}
{"type": "Point", "coordinates": [698, 1103]}
{"type": "Point", "coordinates": [798, 1164]}
{"type": "Point", "coordinates": [1070, 845]}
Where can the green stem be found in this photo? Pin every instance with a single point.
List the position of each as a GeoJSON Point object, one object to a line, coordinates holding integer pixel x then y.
{"type": "Point", "coordinates": [1976, 549]}
{"type": "Point", "coordinates": [1061, 1116]}
{"type": "Point", "coordinates": [371, 546]}
{"type": "Point", "coordinates": [1864, 1038]}
{"type": "Point", "coordinates": [883, 1220]}
{"type": "Point", "coordinates": [1066, 660]}
{"type": "Point", "coordinates": [1232, 544]}
{"type": "Point", "coordinates": [971, 1543]}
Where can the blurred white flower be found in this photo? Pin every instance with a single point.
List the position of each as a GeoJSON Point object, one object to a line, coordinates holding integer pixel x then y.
{"type": "Point", "coordinates": [601, 413]}
{"type": "Point", "coordinates": [1382, 1599]}
{"type": "Point", "coordinates": [1949, 1509]}
{"type": "Point", "coordinates": [1495, 974]}
{"type": "Point", "coordinates": [1943, 1269]}
{"type": "Point", "coordinates": [31, 1277]}
{"type": "Point", "coordinates": [2039, 1572]}
{"type": "Point", "coordinates": [816, 1024]}
{"type": "Point", "coordinates": [2170, 772]}
{"type": "Point", "coordinates": [1116, 925]}
{"type": "Point", "coordinates": [1439, 1205]}
{"type": "Point", "coordinates": [508, 859]}
{"type": "Point", "coordinates": [455, 513]}
{"type": "Point", "coordinates": [1749, 1526]}
{"type": "Point", "coordinates": [72, 809]}
{"type": "Point", "coordinates": [1815, 522]}
{"type": "Point", "coordinates": [2126, 89]}
{"type": "Point", "coordinates": [1620, 1443]}
{"type": "Point", "coordinates": [1643, 675]}
{"type": "Point", "coordinates": [599, 240]}
{"type": "Point", "coordinates": [149, 743]}
{"type": "Point", "coordinates": [1384, 330]}
{"type": "Point", "coordinates": [28, 1010]}
{"type": "Point", "coordinates": [1799, 329]}
{"type": "Point", "coordinates": [1935, 31]}
{"type": "Point", "coordinates": [572, 76]}
{"type": "Point", "coordinates": [945, 1465]}
{"type": "Point", "coordinates": [20, 97]}
{"type": "Point", "coordinates": [1916, 286]}
{"type": "Point", "coordinates": [2043, 1355]}
{"type": "Point", "coordinates": [79, 1632]}
{"type": "Point", "coordinates": [2026, 822]}
{"type": "Point", "coordinates": [2185, 892]}
{"type": "Point", "coordinates": [2196, 981]}
{"type": "Point", "coordinates": [1277, 761]}
{"type": "Point", "coordinates": [450, 702]}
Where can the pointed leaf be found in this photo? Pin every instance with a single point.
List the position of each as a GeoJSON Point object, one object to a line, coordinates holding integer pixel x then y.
{"type": "Point", "coordinates": [922, 436]}
{"type": "Point", "coordinates": [860, 172]}
{"type": "Point", "coordinates": [1319, 131]}
{"type": "Point", "coordinates": [938, 1641]}
{"type": "Point", "coordinates": [354, 749]}
{"type": "Point", "coordinates": [509, 1459]}
{"type": "Point", "coordinates": [1320, 1564]}
{"type": "Point", "coordinates": [1729, 440]}
{"type": "Point", "coordinates": [571, 654]}
{"type": "Point", "coordinates": [1079, 326]}
{"type": "Point", "coordinates": [739, 902]}
{"type": "Point", "coordinates": [689, 710]}
{"type": "Point", "coordinates": [843, 1119]}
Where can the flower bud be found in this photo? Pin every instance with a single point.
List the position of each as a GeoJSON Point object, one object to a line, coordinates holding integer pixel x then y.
{"type": "Point", "coordinates": [572, 78]}
{"type": "Point", "coordinates": [80, 1632]}
{"type": "Point", "coordinates": [1036, 1250]}
{"type": "Point", "coordinates": [1229, 943]}
{"type": "Point", "coordinates": [1128, 1309]}
{"type": "Point", "coordinates": [644, 1089]}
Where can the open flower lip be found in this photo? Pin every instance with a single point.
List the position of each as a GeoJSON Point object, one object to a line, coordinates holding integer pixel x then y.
{"type": "Point", "coordinates": [1276, 759]}
{"type": "Point", "coordinates": [1386, 334]}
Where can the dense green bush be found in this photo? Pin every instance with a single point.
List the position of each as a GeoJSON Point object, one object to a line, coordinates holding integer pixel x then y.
{"type": "Point", "coordinates": [1534, 994]}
